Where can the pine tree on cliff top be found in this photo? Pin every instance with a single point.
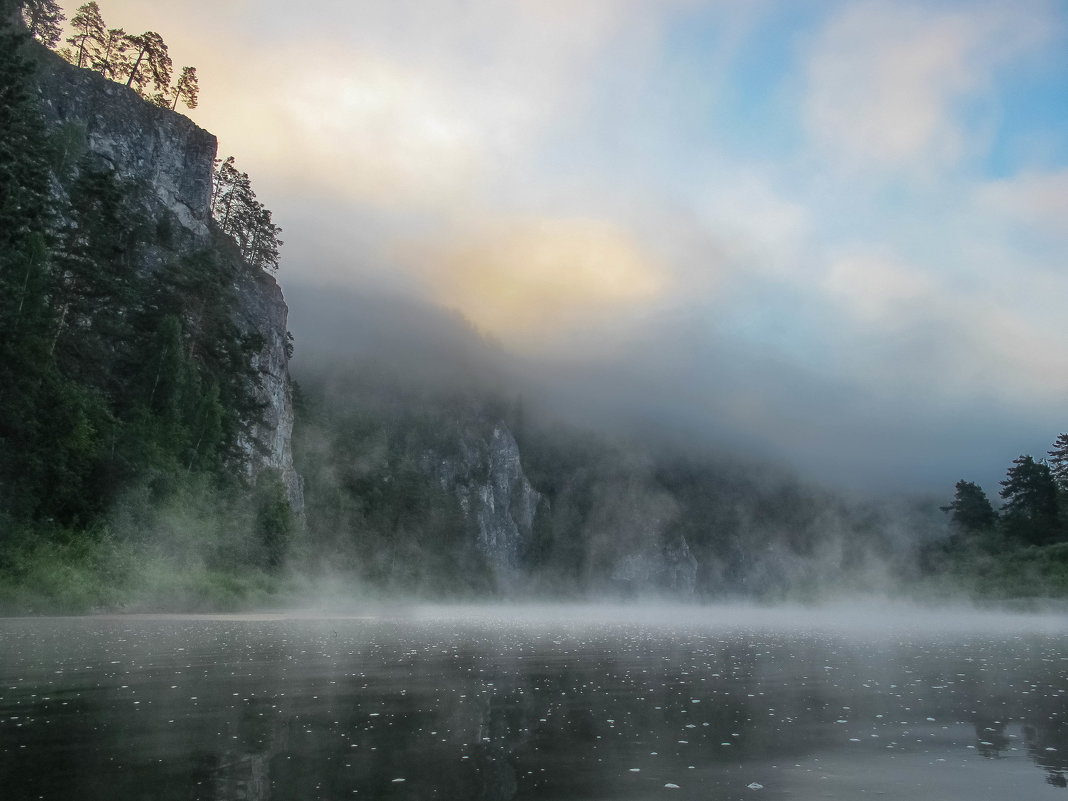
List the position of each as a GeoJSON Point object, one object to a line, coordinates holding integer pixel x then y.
{"type": "Point", "coordinates": [187, 89]}
{"type": "Point", "coordinates": [150, 64]}
{"type": "Point", "coordinates": [112, 61]}
{"type": "Point", "coordinates": [44, 20]}
{"type": "Point", "coordinates": [89, 37]}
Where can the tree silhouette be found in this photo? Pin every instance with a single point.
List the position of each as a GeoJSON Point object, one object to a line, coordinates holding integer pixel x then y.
{"type": "Point", "coordinates": [1058, 462]}
{"type": "Point", "coordinates": [112, 61]}
{"type": "Point", "coordinates": [239, 214]}
{"type": "Point", "coordinates": [151, 64]}
{"type": "Point", "coordinates": [1030, 494]}
{"type": "Point", "coordinates": [89, 35]}
{"type": "Point", "coordinates": [187, 89]}
{"type": "Point", "coordinates": [44, 20]}
{"type": "Point", "coordinates": [970, 510]}
{"type": "Point", "coordinates": [141, 61]}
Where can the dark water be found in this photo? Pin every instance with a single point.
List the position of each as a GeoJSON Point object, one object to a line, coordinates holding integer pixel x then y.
{"type": "Point", "coordinates": [444, 706]}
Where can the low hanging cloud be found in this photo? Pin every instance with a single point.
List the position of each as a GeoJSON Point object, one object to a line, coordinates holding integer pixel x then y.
{"type": "Point", "coordinates": [534, 280]}
{"type": "Point", "coordinates": [363, 128]}
{"type": "Point", "coordinates": [876, 288]}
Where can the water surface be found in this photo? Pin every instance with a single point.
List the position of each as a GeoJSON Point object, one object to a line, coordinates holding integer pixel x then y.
{"type": "Point", "coordinates": [521, 704]}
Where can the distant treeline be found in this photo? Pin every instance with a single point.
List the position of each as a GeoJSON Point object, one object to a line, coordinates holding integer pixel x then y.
{"type": "Point", "coordinates": [1019, 549]}
{"type": "Point", "coordinates": [1034, 509]}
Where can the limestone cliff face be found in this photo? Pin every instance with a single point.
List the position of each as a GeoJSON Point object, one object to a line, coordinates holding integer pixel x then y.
{"type": "Point", "coordinates": [167, 161]}
{"type": "Point", "coordinates": [166, 157]}
{"type": "Point", "coordinates": [263, 309]}
{"type": "Point", "coordinates": [495, 495]}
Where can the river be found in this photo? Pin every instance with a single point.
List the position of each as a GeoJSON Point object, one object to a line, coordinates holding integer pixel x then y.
{"type": "Point", "coordinates": [536, 703]}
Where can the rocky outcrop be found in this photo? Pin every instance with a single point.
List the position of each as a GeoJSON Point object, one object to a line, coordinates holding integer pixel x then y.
{"type": "Point", "coordinates": [671, 569]}
{"type": "Point", "coordinates": [165, 157]}
{"type": "Point", "coordinates": [263, 309]}
{"type": "Point", "coordinates": [495, 495]}
{"type": "Point", "coordinates": [166, 162]}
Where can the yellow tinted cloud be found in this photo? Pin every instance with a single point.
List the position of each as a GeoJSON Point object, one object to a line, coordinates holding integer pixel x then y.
{"type": "Point", "coordinates": [532, 280]}
{"type": "Point", "coordinates": [356, 126]}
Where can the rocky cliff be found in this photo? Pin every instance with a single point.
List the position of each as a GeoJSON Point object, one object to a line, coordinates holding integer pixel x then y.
{"type": "Point", "coordinates": [495, 495]}
{"type": "Point", "coordinates": [166, 162]}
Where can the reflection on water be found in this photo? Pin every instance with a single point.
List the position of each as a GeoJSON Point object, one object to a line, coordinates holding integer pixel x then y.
{"type": "Point", "coordinates": [243, 708]}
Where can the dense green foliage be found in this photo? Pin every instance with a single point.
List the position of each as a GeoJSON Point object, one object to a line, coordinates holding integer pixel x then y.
{"type": "Point", "coordinates": [126, 386]}
{"type": "Point", "coordinates": [1020, 550]}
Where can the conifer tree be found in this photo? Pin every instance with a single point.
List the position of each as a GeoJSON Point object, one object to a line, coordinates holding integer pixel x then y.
{"type": "Point", "coordinates": [90, 35]}
{"type": "Point", "coordinates": [1058, 462]}
{"type": "Point", "coordinates": [186, 89]}
{"type": "Point", "coordinates": [150, 64]}
{"type": "Point", "coordinates": [228, 190]}
{"type": "Point", "coordinates": [260, 242]}
{"type": "Point", "coordinates": [239, 214]}
{"type": "Point", "coordinates": [971, 510]}
{"type": "Point", "coordinates": [44, 20]}
{"type": "Point", "coordinates": [1030, 493]}
{"type": "Point", "coordinates": [112, 62]}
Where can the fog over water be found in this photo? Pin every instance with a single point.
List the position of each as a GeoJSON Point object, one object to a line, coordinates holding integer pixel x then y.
{"type": "Point", "coordinates": [537, 702]}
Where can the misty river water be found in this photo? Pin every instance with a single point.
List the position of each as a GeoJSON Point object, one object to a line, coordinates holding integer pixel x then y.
{"type": "Point", "coordinates": [571, 704]}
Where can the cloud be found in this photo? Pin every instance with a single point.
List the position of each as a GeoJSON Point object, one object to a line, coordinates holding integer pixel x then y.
{"type": "Point", "coordinates": [1036, 200]}
{"type": "Point", "coordinates": [875, 287]}
{"type": "Point", "coordinates": [534, 280]}
{"type": "Point", "coordinates": [665, 193]}
{"type": "Point", "coordinates": [756, 224]}
{"type": "Point", "coordinates": [886, 81]}
{"type": "Point", "coordinates": [906, 332]}
{"type": "Point", "coordinates": [358, 127]}
{"type": "Point", "coordinates": [400, 104]}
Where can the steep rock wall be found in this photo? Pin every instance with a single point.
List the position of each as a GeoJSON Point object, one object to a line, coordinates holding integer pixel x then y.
{"type": "Point", "coordinates": [495, 495]}
{"type": "Point", "coordinates": [165, 156]}
{"type": "Point", "coordinates": [168, 162]}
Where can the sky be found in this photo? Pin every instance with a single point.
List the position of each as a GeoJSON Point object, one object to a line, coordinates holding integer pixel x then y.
{"type": "Point", "coordinates": [828, 233]}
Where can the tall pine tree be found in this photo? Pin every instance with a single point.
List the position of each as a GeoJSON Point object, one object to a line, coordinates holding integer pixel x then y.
{"type": "Point", "coordinates": [44, 20]}
{"type": "Point", "coordinates": [89, 37]}
{"type": "Point", "coordinates": [150, 65]}
{"type": "Point", "coordinates": [1030, 513]}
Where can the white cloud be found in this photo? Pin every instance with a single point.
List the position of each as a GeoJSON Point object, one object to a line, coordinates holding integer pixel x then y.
{"type": "Point", "coordinates": [877, 288]}
{"type": "Point", "coordinates": [885, 80]}
{"type": "Point", "coordinates": [1037, 200]}
{"type": "Point", "coordinates": [755, 224]}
